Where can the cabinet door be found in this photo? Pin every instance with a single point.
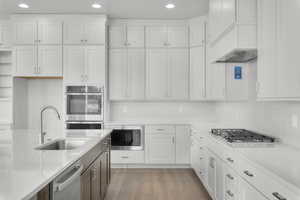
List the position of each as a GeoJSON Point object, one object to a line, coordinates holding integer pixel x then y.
{"type": "Point", "coordinates": [216, 81]}
{"type": "Point", "coordinates": [161, 148]}
{"type": "Point", "coordinates": [74, 64]}
{"type": "Point", "coordinates": [94, 32]}
{"type": "Point", "coordinates": [157, 74]}
{"type": "Point", "coordinates": [117, 36]}
{"type": "Point", "coordinates": [212, 175]}
{"type": "Point", "coordinates": [25, 60]}
{"type": "Point", "coordinates": [25, 32]}
{"type": "Point", "coordinates": [247, 192]}
{"type": "Point", "coordinates": [136, 74]}
{"type": "Point", "coordinates": [177, 36]}
{"type": "Point", "coordinates": [49, 32]}
{"type": "Point", "coordinates": [85, 179]}
{"type": "Point", "coordinates": [104, 174]}
{"type": "Point", "coordinates": [117, 74]}
{"type": "Point", "coordinates": [197, 73]}
{"type": "Point", "coordinates": [288, 47]}
{"type": "Point", "coordinates": [267, 69]}
{"type": "Point", "coordinates": [73, 32]}
{"type": "Point", "coordinates": [95, 65]}
{"type": "Point", "coordinates": [135, 36]}
{"type": "Point", "coordinates": [96, 180]}
{"type": "Point", "coordinates": [183, 143]}
{"type": "Point", "coordinates": [197, 32]}
{"type": "Point", "coordinates": [156, 36]}
{"type": "Point", "coordinates": [178, 74]}
{"type": "Point", "coordinates": [50, 60]}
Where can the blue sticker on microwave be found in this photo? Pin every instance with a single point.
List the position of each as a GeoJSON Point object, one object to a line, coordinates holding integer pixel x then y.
{"type": "Point", "coordinates": [238, 72]}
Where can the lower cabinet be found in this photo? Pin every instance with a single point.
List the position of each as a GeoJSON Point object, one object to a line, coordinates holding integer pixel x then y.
{"type": "Point", "coordinates": [167, 144]}
{"type": "Point", "coordinates": [215, 176]}
{"type": "Point", "coordinates": [247, 192]}
{"type": "Point", "coordinates": [96, 178]}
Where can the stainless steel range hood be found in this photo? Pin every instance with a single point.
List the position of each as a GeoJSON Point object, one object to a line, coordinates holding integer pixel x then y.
{"type": "Point", "coordinates": [239, 56]}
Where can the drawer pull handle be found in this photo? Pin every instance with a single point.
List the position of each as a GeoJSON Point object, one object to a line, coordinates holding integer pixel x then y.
{"type": "Point", "coordinates": [160, 129]}
{"type": "Point", "coordinates": [124, 157]}
{"type": "Point", "coordinates": [230, 160]}
{"type": "Point", "coordinates": [248, 173]}
{"type": "Point", "coordinates": [278, 196]}
{"type": "Point", "coordinates": [229, 176]}
{"type": "Point", "coordinates": [229, 193]}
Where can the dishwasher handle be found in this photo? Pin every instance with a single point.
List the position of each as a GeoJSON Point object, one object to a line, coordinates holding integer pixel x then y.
{"type": "Point", "coordinates": [59, 186]}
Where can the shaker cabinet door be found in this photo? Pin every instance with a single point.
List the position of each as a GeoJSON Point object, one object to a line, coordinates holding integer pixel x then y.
{"type": "Point", "coordinates": [50, 60]}
{"type": "Point", "coordinates": [25, 61]}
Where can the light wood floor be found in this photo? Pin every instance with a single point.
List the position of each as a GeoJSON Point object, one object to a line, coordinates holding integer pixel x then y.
{"type": "Point", "coordinates": [155, 184]}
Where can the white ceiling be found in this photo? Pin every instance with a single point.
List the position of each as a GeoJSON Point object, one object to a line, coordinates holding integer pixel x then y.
{"type": "Point", "coordinates": [153, 9]}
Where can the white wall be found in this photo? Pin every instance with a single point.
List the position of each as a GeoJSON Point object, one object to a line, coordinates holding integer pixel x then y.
{"type": "Point", "coordinates": [40, 93]}
{"type": "Point", "coordinates": [163, 112]}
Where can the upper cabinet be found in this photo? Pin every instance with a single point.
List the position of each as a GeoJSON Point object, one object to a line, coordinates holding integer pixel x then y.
{"type": "Point", "coordinates": [126, 36]}
{"type": "Point", "coordinates": [84, 65]}
{"type": "Point", "coordinates": [84, 30]}
{"type": "Point", "coordinates": [167, 36]}
{"type": "Point", "coordinates": [37, 46]}
{"type": "Point", "coordinates": [37, 31]}
{"type": "Point", "coordinates": [127, 74]}
{"type": "Point", "coordinates": [197, 31]}
{"type": "Point", "coordinates": [278, 60]}
{"type": "Point", "coordinates": [232, 30]}
{"type": "Point", "coordinates": [167, 74]}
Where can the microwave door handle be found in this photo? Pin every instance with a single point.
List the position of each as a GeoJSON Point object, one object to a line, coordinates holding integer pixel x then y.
{"type": "Point", "coordinates": [70, 179]}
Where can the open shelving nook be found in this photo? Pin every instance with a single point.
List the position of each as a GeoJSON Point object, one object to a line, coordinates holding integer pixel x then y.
{"type": "Point", "coordinates": [6, 88]}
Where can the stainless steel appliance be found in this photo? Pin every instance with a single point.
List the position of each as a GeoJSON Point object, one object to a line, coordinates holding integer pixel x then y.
{"type": "Point", "coordinates": [67, 184]}
{"type": "Point", "coordinates": [243, 137]}
{"type": "Point", "coordinates": [128, 138]}
{"type": "Point", "coordinates": [84, 103]}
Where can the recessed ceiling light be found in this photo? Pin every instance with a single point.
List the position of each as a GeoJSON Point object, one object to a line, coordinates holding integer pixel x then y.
{"type": "Point", "coordinates": [23, 5]}
{"type": "Point", "coordinates": [96, 5]}
{"type": "Point", "coordinates": [170, 5]}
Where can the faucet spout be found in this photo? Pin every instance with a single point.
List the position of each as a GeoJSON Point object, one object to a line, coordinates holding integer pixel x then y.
{"type": "Point", "coordinates": [43, 134]}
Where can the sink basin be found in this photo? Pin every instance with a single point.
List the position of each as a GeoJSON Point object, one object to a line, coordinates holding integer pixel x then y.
{"type": "Point", "coordinates": [62, 144]}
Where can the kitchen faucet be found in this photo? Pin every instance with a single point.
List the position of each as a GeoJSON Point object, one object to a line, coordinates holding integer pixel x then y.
{"type": "Point", "coordinates": [42, 111]}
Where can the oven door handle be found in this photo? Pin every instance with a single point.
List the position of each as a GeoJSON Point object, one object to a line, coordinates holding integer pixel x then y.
{"type": "Point", "coordinates": [84, 122]}
{"type": "Point", "coordinates": [85, 93]}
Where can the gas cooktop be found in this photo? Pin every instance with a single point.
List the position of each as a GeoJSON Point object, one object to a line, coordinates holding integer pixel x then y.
{"type": "Point", "coordinates": [242, 136]}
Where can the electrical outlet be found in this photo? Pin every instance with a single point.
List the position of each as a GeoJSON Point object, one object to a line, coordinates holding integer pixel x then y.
{"type": "Point", "coordinates": [295, 121]}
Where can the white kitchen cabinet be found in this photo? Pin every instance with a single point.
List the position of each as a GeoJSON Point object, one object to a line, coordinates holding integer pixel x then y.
{"type": "Point", "coordinates": [49, 32]}
{"type": "Point", "coordinates": [278, 59]}
{"type": "Point", "coordinates": [183, 143]}
{"type": "Point", "coordinates": [84, 30]}
{"type": "Point", "coordinates": [25, 61]}
{"type": "Point", "coordinates": [84, 65]}
{"type": "Point", "coordinates": [267, 65]}
{"type": "Point", "coordinates": [37, 31]}
{"type": "Point", "coordinates": [197, 73]}
{"type": "Point", "coordinates": [50, 60]}
{"type": "Point", "coordinates": [197, 31]}
{"type": "Point", "coordinates": [74, 64]}
{"type": "Point", "coordinates": [231, 183]}
{"type": "Point", "coordinates": [24, 32]}
{"type": "Point", "coordinates": [167, 36]}
{"type": "Point", "coordinates": [130, 36]}
{"type": "Point", "coordinates": [157, 74]}
{"type": "Point", "coordinates": [160, 148]}
{"type": "Point", "coordinates": [247, 192]}
{"type": "Point", "coordinates": [167, 74]}
{"type": "Point", "coordinates": [216, 88]}
{"type": "Point", "coordinates": [127, 74]}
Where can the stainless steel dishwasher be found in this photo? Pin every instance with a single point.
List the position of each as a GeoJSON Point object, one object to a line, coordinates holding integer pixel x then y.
{"type": "Point", "coordinates": [67, 185]}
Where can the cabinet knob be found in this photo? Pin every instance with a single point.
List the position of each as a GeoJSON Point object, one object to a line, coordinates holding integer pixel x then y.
{"type": "Point", "coordinates": [229, 193]}
{"type": "Point", "coordinates": [248, 173]}
{"type": "Point", "coordinates": [229, 176]}
{"type": "Point", "coordinates": [230, 160]}
{"type": "Point", "coordinates": [278, 196]}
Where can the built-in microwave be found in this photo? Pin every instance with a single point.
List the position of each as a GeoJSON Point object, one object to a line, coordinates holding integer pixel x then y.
{"type": "Point", "coordinates": [84, 103]}
{"type": "Point", "coordinates": [128, 138]}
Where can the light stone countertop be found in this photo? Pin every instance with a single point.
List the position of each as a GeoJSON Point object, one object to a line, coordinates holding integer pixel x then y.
{"type": "Point", "coordinates": [24, 170]}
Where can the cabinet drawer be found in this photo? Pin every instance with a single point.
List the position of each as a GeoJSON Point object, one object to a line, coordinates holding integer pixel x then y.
{"type": "Point", "coordinates": [231, 159]}
{"type": "Point", "coordinates": [273, 189]}
{"type": "Point", "coordinates": [230, 183]}
{"type": "Point", "coordinates": [160, 129]}
{"type": "Point", "coordinates": [127, 157]}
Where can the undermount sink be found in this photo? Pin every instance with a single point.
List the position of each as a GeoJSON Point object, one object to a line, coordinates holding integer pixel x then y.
{"type": "Point", "coordinates": [62, 144]}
